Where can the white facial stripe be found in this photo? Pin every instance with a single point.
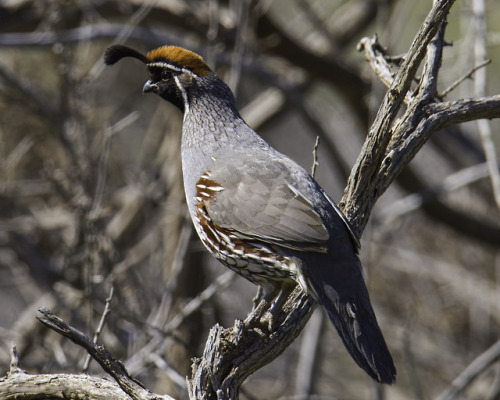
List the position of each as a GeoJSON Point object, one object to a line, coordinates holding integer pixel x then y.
{"type": "Point", "coordinates": [184, 95]}
{"type": "Point", "coordinates": [163, 64]}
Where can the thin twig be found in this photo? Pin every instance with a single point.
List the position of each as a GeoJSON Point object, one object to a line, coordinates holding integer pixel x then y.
{"type": "Point", "coordinates": [172, 374]}
{"type": "Point", "coordinates": [175, 270]}
{"type": "Point", "coordinates": [124, 33]}
{"type": "Point", "coordinates": [14, 361]}
{"type": "Point", "coordinates": [468, 75]}
{"type": "Point", "coordinates": [315, 157]}
{"type": "Point", "coordinates": [221, 282]}
{"type": "Point", "coordinates": [157, 343]}
{"type": "Point", "coordinates": [103, 162]}
{"type": "Point", "coordinates": [484, 126]}
{"type": "Point", "coordinates": [452, 182]}
{"type": "Point", "coordinates": [107, 309]}
{"type": "Point", "coordinates": [105, 359]}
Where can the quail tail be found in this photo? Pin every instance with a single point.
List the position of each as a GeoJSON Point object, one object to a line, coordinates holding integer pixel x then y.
{"type": "Point", "coordinates": [357, 326]}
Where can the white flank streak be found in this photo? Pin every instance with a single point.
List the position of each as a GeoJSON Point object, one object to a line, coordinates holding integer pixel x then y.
{"type": "Point", "coordinates": [215, 234]}
{"type": "Point", "coordinates": [253, 256]}
{"type": "Point", "coordinates": [226, 239]}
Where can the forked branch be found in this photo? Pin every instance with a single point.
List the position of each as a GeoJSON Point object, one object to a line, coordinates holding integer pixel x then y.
{"type": "Point", "coordinates": [392, 143]}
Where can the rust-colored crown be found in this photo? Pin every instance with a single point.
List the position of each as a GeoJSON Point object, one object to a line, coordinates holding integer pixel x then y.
{"type": "Point", "coordinates": [176, 56]}
{"type": "Point", "coordinates": [180, 57]}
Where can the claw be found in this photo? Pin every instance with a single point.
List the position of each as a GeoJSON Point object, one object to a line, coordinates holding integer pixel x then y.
{"type": "Point", "coordinates": [278, 303]}
{"type": "Point", "coordinates": [266, 308]}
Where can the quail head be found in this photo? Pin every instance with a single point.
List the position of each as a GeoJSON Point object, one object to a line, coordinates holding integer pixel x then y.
{"type": "Point", "coordinates": [258, 211]}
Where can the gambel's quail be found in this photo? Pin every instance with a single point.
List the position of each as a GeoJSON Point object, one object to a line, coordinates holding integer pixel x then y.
{"type": "Point", "coordinates": [257, 211]}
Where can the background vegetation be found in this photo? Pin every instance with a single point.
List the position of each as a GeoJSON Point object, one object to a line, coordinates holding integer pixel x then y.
{"type": "Point", "coordinates": [91, 198]}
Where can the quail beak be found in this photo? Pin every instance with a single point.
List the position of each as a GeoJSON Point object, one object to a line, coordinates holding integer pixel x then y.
{"type": "Point", "coordinates": [150, 87]}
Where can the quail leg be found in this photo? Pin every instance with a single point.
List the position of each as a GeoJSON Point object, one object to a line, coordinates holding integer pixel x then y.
{"type": "Point", "coordinates": [258, 297]}
{"type": "Point", "coordinates": [278, 303]}
{"type": "Point", "coordinates": [263, 304]}
{"type": "Point", "coordinates": [273, 300]}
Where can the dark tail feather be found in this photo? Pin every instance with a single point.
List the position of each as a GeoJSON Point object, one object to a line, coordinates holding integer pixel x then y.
{"type": "Point", "coordinates": [357, 326]}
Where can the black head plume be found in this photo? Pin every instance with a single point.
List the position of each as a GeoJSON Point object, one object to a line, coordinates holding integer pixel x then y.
{"type": "Point", "coordinates": [115, 53]}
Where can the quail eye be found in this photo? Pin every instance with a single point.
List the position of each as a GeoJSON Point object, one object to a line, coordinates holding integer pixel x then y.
{"type": "Point", "coordinates": [166, 74]}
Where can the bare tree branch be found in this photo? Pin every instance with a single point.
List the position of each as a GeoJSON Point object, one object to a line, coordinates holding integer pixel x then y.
{"type": "Point", "coordinates": [232, 354]}
{"type": "Point", "coordinates": [478, 366]}
{"type": "Point", "coordinates": [19, 385]}
{"type": "Point", "coordinates": [442, 115]}
{"type": "Point", "coordinates": [113, 367]}
{"type": "Point", "coordinates": [363, 186]}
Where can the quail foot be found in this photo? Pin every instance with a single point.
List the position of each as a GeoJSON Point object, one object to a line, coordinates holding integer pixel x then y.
{"type": "Point", "coordinates": [258, 211]}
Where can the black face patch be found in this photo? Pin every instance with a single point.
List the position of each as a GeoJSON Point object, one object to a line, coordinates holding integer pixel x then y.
{"type": "Point", "coordinates": [160, 73]}
{"type": "Point", "coordinates": [171, 82]}
{"type": "Point", "coordinates": [155, 73]}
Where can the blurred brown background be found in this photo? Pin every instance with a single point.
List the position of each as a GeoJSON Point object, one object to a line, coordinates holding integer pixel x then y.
{"type": "Point", "coordinates": [91, 194]}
